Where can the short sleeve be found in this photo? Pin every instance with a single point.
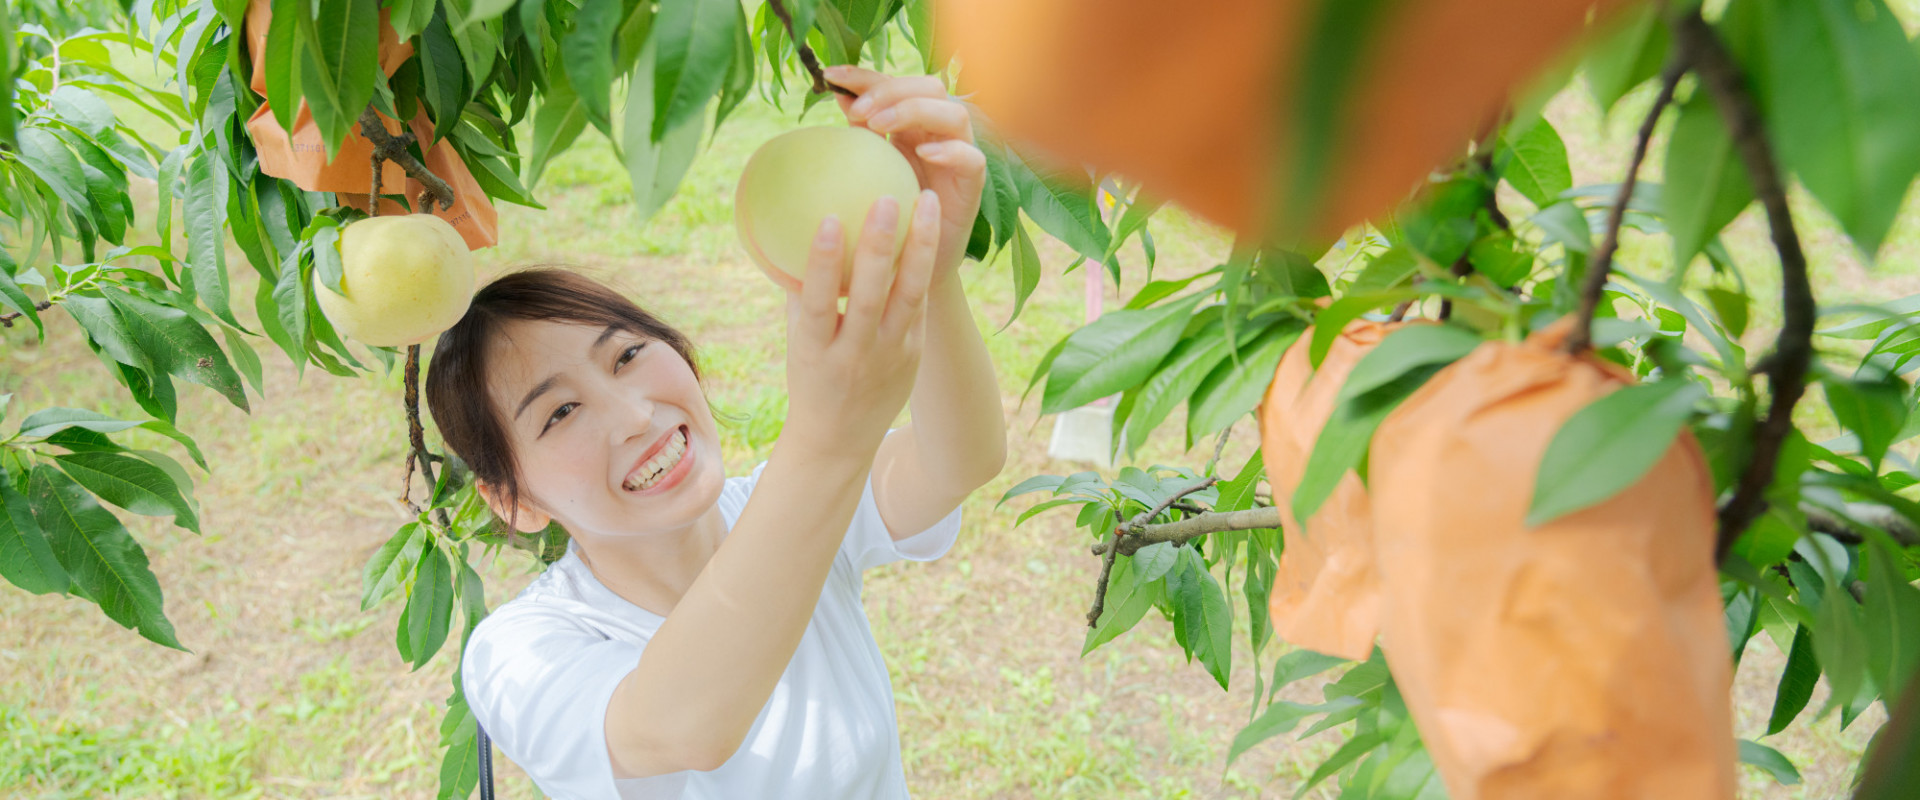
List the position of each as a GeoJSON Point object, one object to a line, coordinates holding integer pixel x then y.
{"type": "Point", "coordinates": [540, 685]}
{"type": "Point", "coordinates": [869, 544]}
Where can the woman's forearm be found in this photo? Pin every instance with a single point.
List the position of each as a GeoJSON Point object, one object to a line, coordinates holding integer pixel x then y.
{"type": "Point", "coordinates": [709, 670]}
{"type": "Point", "coordinates": [959, 427]}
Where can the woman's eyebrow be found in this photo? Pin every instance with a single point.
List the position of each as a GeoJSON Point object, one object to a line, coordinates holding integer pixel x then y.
{"type": "Point", "coordinates": [539, 389]}
{"type": "Point", "coordinates": [547, 385]}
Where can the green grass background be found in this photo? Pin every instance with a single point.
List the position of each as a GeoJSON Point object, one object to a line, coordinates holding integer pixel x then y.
{"type": "Point", "coordinates": [291, 691]}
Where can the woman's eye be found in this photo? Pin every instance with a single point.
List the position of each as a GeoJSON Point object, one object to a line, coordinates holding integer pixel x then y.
{"type": "Point", "coordinates": [559, 414]}
{"type": "Point", "coordinates": [630, 354]}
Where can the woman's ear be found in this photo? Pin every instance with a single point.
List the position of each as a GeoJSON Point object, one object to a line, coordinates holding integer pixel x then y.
{"type": "Point", "coordinates": [528, 520]}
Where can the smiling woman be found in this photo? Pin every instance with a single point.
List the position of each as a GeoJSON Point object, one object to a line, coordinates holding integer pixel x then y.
{"type": "Point", "coordinates": [704, 636]}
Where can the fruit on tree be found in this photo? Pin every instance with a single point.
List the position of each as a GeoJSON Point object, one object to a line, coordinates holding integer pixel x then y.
{"type": "Point", "coordinates": [1582, 657]}
{"type": "Point", "coordinates": [799, 177]}
{"type": "Point", "coordinates": [1326, 593]}
{"type": "Point", "coordinates": [403, 279]}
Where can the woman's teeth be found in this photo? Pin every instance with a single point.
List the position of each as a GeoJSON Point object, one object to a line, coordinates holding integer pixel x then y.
{"type": "Point", "coordinates": [649, 473]}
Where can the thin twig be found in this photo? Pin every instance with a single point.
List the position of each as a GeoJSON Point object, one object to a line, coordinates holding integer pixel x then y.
{"type": "Point", "coordinates": [1100, 586]}
{"type": "Point", "coordinates": [389, 147]}
{"type": "Point", "coordinates": [1182, 531]}
{"type": "Point", "coordinates": [6, 320]}
{"type": "Point", "coordinates": [1219, 445]}
{"type": "Point", "coordinates": [1793, 351]}
{"type": "Point", "coordinates": [1400, 311]}
{"type": "Point", "coordinates": [417, 436]}
{"type": "Point", "coordinates": [807, 58]}
{"type": "Point", "coordinates": [1140, 521]}
{"type": "Point", "coordinates": [1581, 338]}
{"type": "Point", "coordinates": [1899, 528]}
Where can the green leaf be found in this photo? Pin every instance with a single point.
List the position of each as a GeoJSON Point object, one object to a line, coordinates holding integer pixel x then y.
{"type": "Point", "coordinates": [1133, 221]}
{"type": "Point", "coordinates": [1343, 442]}
{"type": "Point", "coordinates": [1153, 562]}
{"type": "Point", "coordinates": [1300, 664]}
{"type": "Point", "coordinates": [1386, 271]}
{"type": "Point", "coordinates": [178, 345]}
{"type": "Point", "coordinates": [56, 166]}
{"type": "Point", "coordinates": [443, 72]}
{"type": "Point", "coordinates": [1564, 223]}
{"type": "Point", "coordinates": [1893, 761]}
{"type": "Point", "coordinates": [1770, 760]}
{"type": "Point", "coordinates": [390, 565]}
{"type": "Point", "coordinates": [1279, 718]}
{"type": "Point", "coordinates": [1706, 185]}
{"type": "Point", "coordinates": [130, 483]}
{"type": "Point", "coordinates": [99, 555]}
{"type": "Point", "coordinates": [1836, 80]}
{"type": "Point", "coordinates": [1404, 350]}
{"type": "Point", "coordinates": [429, 607]}
{"type": "Point", "coordinates": [1631, 53]}
{"type": "Point", "coordinates": [1349, 752]}
{"type": "Point", "coordinates": [205, 213]}
{"type": "Point", "coordinates": [1796, 682]}
{"type": "Point", "coordinates": [1839, 642]}
{"type": "Point", "coordinates": [285, 51]}
{"type": "Point", "coordinates": [460, 765]}
{"type": "Point", "coordinates": [1333, 319]}
{"type": "Point", "coordinates": [1113, 353]}
{"type": "Point", "coordinates": [1608, 445]}
{"type": "Point", "coordinates": [1731, 307]}
{"type": "Point", "coordinates": [561, 118]}
{"type": "Point", "coordinates": [1873, 409]}
{"type": "Point", "coordinates": [26, 559]}
{"type": "Point", "coordinates": [654, 167]}
{"type": "Point", "coordinates": [1061, 203]}
{"type": "Point", "coordinates": [1128, 600]}
{"type": "Point", "coordinates": [1233, 390]}
{"type": "Point", "coordinates": [1892, 620]}
{"type": "Point", "coordinates": [1025, 263]}
{"type": "Point", "coordinates": [484, 11]}
{"type": "Point", "coordinates": [104, 326]}
{"type": "Point", "coordinates": [247, 360]}
{"type": "Point", "coordinates": [587, 52]}
{"type": "Point", "coordinates": [1502, 258]}
{"type": "Point", "coordinates": [13, 297]}
{"type": "Point", "coordinates": [695, 47]}
{"type": "Point", "coordinates": [1203, 610]}
{"type": "Point", "coordinates": [1535, 162]}
{"type": "Point", "coordinates": [49, 421]}
{"type": "Point", "coordinates": [339, 64]}
{"type": "Point", "coordinates": [1444, 225]}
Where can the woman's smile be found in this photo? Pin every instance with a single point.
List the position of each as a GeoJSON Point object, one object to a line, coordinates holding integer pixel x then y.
{"type": "Point", "coordinates": [663, 466]}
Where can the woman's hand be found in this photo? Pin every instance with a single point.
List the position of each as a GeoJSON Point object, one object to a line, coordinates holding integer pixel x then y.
{"type": "Point", "coordinates": [935, 133]}
{"type": "Point", "coordinates": [848, 375]}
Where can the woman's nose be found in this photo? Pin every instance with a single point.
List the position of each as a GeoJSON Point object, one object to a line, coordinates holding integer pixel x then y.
{"type": "Point", "coordinates": [633, 413]}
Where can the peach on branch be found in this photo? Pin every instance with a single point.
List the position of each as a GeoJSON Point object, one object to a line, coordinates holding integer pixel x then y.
{"type": "Point", "coordinates": [403, 279]}
{"type": "Point", "coordinates": [799, 177]}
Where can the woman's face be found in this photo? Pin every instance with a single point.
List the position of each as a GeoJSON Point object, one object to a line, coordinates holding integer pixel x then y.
{"type": "Point", "coordinates": [610, 429]}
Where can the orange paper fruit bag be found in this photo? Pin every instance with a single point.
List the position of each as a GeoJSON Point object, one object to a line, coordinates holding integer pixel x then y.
{"type": "Point", "coordinates": [1583, 658]}
{"type": "Point", "coordinates": [1326, 594]}
{"type": "Point", "coordinates": [1190, 99]}
{"type": "Point", "coordinates": [300, 155]}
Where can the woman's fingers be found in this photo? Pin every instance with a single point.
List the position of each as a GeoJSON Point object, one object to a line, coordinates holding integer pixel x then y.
{"type": "Point", "coordinates": [820, 289]}
{"type": "Point", "coordinates": [935, 117]}
{"type": "Point", "coordinates": [872, 265]}
{"type": "Point", "coordinates": [914, 273]}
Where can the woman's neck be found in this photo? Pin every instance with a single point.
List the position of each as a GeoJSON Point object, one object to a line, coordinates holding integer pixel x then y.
{"type": "Point", "coordinates": [654, 570]}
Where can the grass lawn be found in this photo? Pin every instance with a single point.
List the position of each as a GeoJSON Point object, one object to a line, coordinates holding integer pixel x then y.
{"type": "Point", "coordinates": [291, 691]}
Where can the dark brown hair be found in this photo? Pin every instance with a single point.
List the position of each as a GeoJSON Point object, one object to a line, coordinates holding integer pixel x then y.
{"type": "Point", "coordinates": [457, 377]}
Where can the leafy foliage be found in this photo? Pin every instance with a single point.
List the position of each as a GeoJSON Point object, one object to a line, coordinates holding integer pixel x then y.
{"type": "Point", "coordinates": [1832, 563]}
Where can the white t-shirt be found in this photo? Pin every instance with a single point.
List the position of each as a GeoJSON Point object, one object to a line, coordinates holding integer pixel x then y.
{"type": "Point", "coordinates": [539, 672]}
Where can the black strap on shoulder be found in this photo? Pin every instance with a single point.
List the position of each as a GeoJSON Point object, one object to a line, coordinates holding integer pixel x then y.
{"type": "Point", "coordinates": [486, 762]}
